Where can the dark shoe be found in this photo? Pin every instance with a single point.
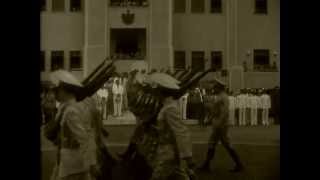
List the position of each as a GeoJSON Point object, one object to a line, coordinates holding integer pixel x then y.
{"type": "Point", "coordinates": [205, 167]}
{"type": "Point", "coordinates": [237, 169]}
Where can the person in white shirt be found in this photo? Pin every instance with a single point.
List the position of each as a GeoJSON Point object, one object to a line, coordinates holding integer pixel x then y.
{"type": "Point", "coordinates": [232, 107]}
{"type": "Point", "coordinates": [183, 106]}
{"type": "Point", "coordinates": [266, 105]}
{"type": "Point", "coordinates": [248, 106]}
{"type": "Point", "coordinates": [241, 100]}
{"type": "Point", "coordinates": [125, 96]}
{"type": "Point", "coordinates": [117, 91]}
{"type": "Point", "coordinates": [103, 96]}
{"type": "Point", "coordinates": [254, 100]}
{"type": "Point", "coordinates": [200, 107]}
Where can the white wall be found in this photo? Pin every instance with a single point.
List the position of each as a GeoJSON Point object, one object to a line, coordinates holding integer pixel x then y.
{"type": "Point", "coordinates": [256, 31]}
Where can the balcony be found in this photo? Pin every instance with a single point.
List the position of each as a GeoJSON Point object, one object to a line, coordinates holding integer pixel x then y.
{"type": "Point", "coordinates": [129, 3]}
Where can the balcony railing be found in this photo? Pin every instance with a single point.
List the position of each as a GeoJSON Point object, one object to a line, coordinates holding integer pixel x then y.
{"type": "Point", "coordinates": [119, 56]}
{"type": "Point", "coordinates": [265, 68]}
{"type": "Point", "coordinates": [132, 3]}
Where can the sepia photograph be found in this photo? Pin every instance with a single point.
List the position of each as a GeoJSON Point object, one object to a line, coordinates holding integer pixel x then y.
{"type": "Point", "coordinates": [160, 89]}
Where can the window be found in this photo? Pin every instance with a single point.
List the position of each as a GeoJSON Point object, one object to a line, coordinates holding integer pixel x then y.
{"type": "Point", "coordinates": [261, 59]}
{"type": "Point", "coordinates": [216, 6]}
{"type": "Point", "coordinates": [261, 7]}
{"type": "Point", "coordinates": [57, 5]}
{"type": "Point", "coordinates": [57, 60]}
{"type": "Point", "coordinates": [197, 6]}
{"type": "Point", "coordinates": [43, 5]}
{"type": "Point", "coordinates": [216, 60]}
{"type": "Point", "coordinates": [75, 5]}
{"type": "Point", "coordinates": [179, 6]}
{"type": "Point", "coordinates": [42, 61]}
{"type": "Point", "coordinates": [198, 60]}
{"type": "Point", "coordinates": [179, 60]}
{"type": "Point", "coordinates": [75, 60]}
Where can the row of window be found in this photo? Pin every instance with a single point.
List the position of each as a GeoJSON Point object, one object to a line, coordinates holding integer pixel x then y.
{"type": "Point", "coordinates": [58, 59]}
{"type": "Point", "coordinates": [59, 5]}
{"type": "Point", "coordinates": [261, 60]}
{"type": "Point", "coordinates": [197, 60]}
{"type": "Point", "coordinates": [198, 6]}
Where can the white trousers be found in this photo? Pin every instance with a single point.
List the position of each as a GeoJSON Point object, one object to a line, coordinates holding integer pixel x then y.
{"type": "Point", "coordinates": [254, 117]}
{"type": "Point", "coordinates": [242, 116]}
{"type": "Point", "coordinates": [232, 117]}
{"type": "Point", "coordinates": [265, 117]}
{"type": "Point", "coordinates": [117, 106]}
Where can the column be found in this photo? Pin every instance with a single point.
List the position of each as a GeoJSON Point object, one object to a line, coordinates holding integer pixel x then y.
{"type": "Point", "coordinates": [161, 47]}
{"type": "Point", "coordinates": [95, 32]}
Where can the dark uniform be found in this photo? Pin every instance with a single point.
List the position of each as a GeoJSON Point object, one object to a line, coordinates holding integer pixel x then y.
{"type": "Point", "coordinates": [220, 118]}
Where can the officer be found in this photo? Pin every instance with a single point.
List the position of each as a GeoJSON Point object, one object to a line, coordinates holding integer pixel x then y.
{"type": "Point", "coordinates": [232, 107]}
{"type": "Point", "coordinates": [266, 105]}
{"type": "Point", "coordinates": [254, 109]}
{"type": "Point", "coordinates": [241, 102]}
{"type": "Point", "coordinates": [75, 138]}
{"type": "Point", "coordinates": [220, 129]}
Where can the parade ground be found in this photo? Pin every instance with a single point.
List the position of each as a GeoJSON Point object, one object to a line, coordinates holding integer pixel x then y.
{"type": "Point", "coordinates": [258, 147]}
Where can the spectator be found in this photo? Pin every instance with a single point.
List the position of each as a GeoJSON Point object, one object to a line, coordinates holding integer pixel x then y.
{"type": "Point", "coordinates": [183, 106]}
{"type": "Point", "coordinates": [241, 100]}
{"type": "Point", "coordinates": [103, 98]}
{"type": "Point", "coordinates": [232, 106]}
{"type": "Point", "coordinates": [248, 107]}
{"type": "Point", "coordinates": [117, 91]}
{"type": "Point", "coordinates": [125, 95]}
{"type": "Point", "coordinates": [266, 105]}
{"type": "Point", "coordinates": [254, 109]}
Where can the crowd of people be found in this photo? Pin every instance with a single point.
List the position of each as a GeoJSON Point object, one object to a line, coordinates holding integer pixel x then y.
{"type": "Point", "coordinates": [248, 107]}
{"type": "Point", "coordinates": [125, 3]}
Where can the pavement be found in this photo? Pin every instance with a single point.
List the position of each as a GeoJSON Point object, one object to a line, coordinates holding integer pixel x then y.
{"type": "Point", "coordinates": [258, 147]}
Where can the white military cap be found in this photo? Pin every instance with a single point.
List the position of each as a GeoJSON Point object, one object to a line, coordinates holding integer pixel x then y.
{"type": "Point", "coordinates": [62, 76]}
{"type": "Point", "coordinates": [164, 80]}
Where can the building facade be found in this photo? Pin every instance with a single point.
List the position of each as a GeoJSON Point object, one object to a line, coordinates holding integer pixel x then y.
{"type": "Point", "coordinates": [241, 40]}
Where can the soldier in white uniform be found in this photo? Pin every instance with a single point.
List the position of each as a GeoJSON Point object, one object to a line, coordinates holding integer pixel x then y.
{"type": "Point", "coordinates": [103, 98]}
{"type": "Point", "coordinates": [266, 105]}
{"type": "Point", "coordinates": [241, 101]}
{"type": "Point", "coordinates": [183, 105]}
{"type": "Point", "coordinates": [117, 91]}
{"type": "Point", "coordinates": [254, 100]}
{"type": "Point", "coordinates": [232, 107]}
{"type": "Point", "coordinates": [248, 106]}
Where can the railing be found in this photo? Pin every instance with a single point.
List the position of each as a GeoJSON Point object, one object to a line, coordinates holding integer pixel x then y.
{"type": "Point", "coordinates": [262, 68]}
{"type": "Point", "coordinates": [127, 57]}
{"type": "Point", "coordinates": [123, 3]}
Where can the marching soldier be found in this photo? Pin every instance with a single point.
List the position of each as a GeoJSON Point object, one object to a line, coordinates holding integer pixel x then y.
{"type": "Point", "coordinates": [73, 131]}
{"type": "Point", "coordinates": [220, 129]}
{"type": "Point", "coordinates": [172, 157]}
